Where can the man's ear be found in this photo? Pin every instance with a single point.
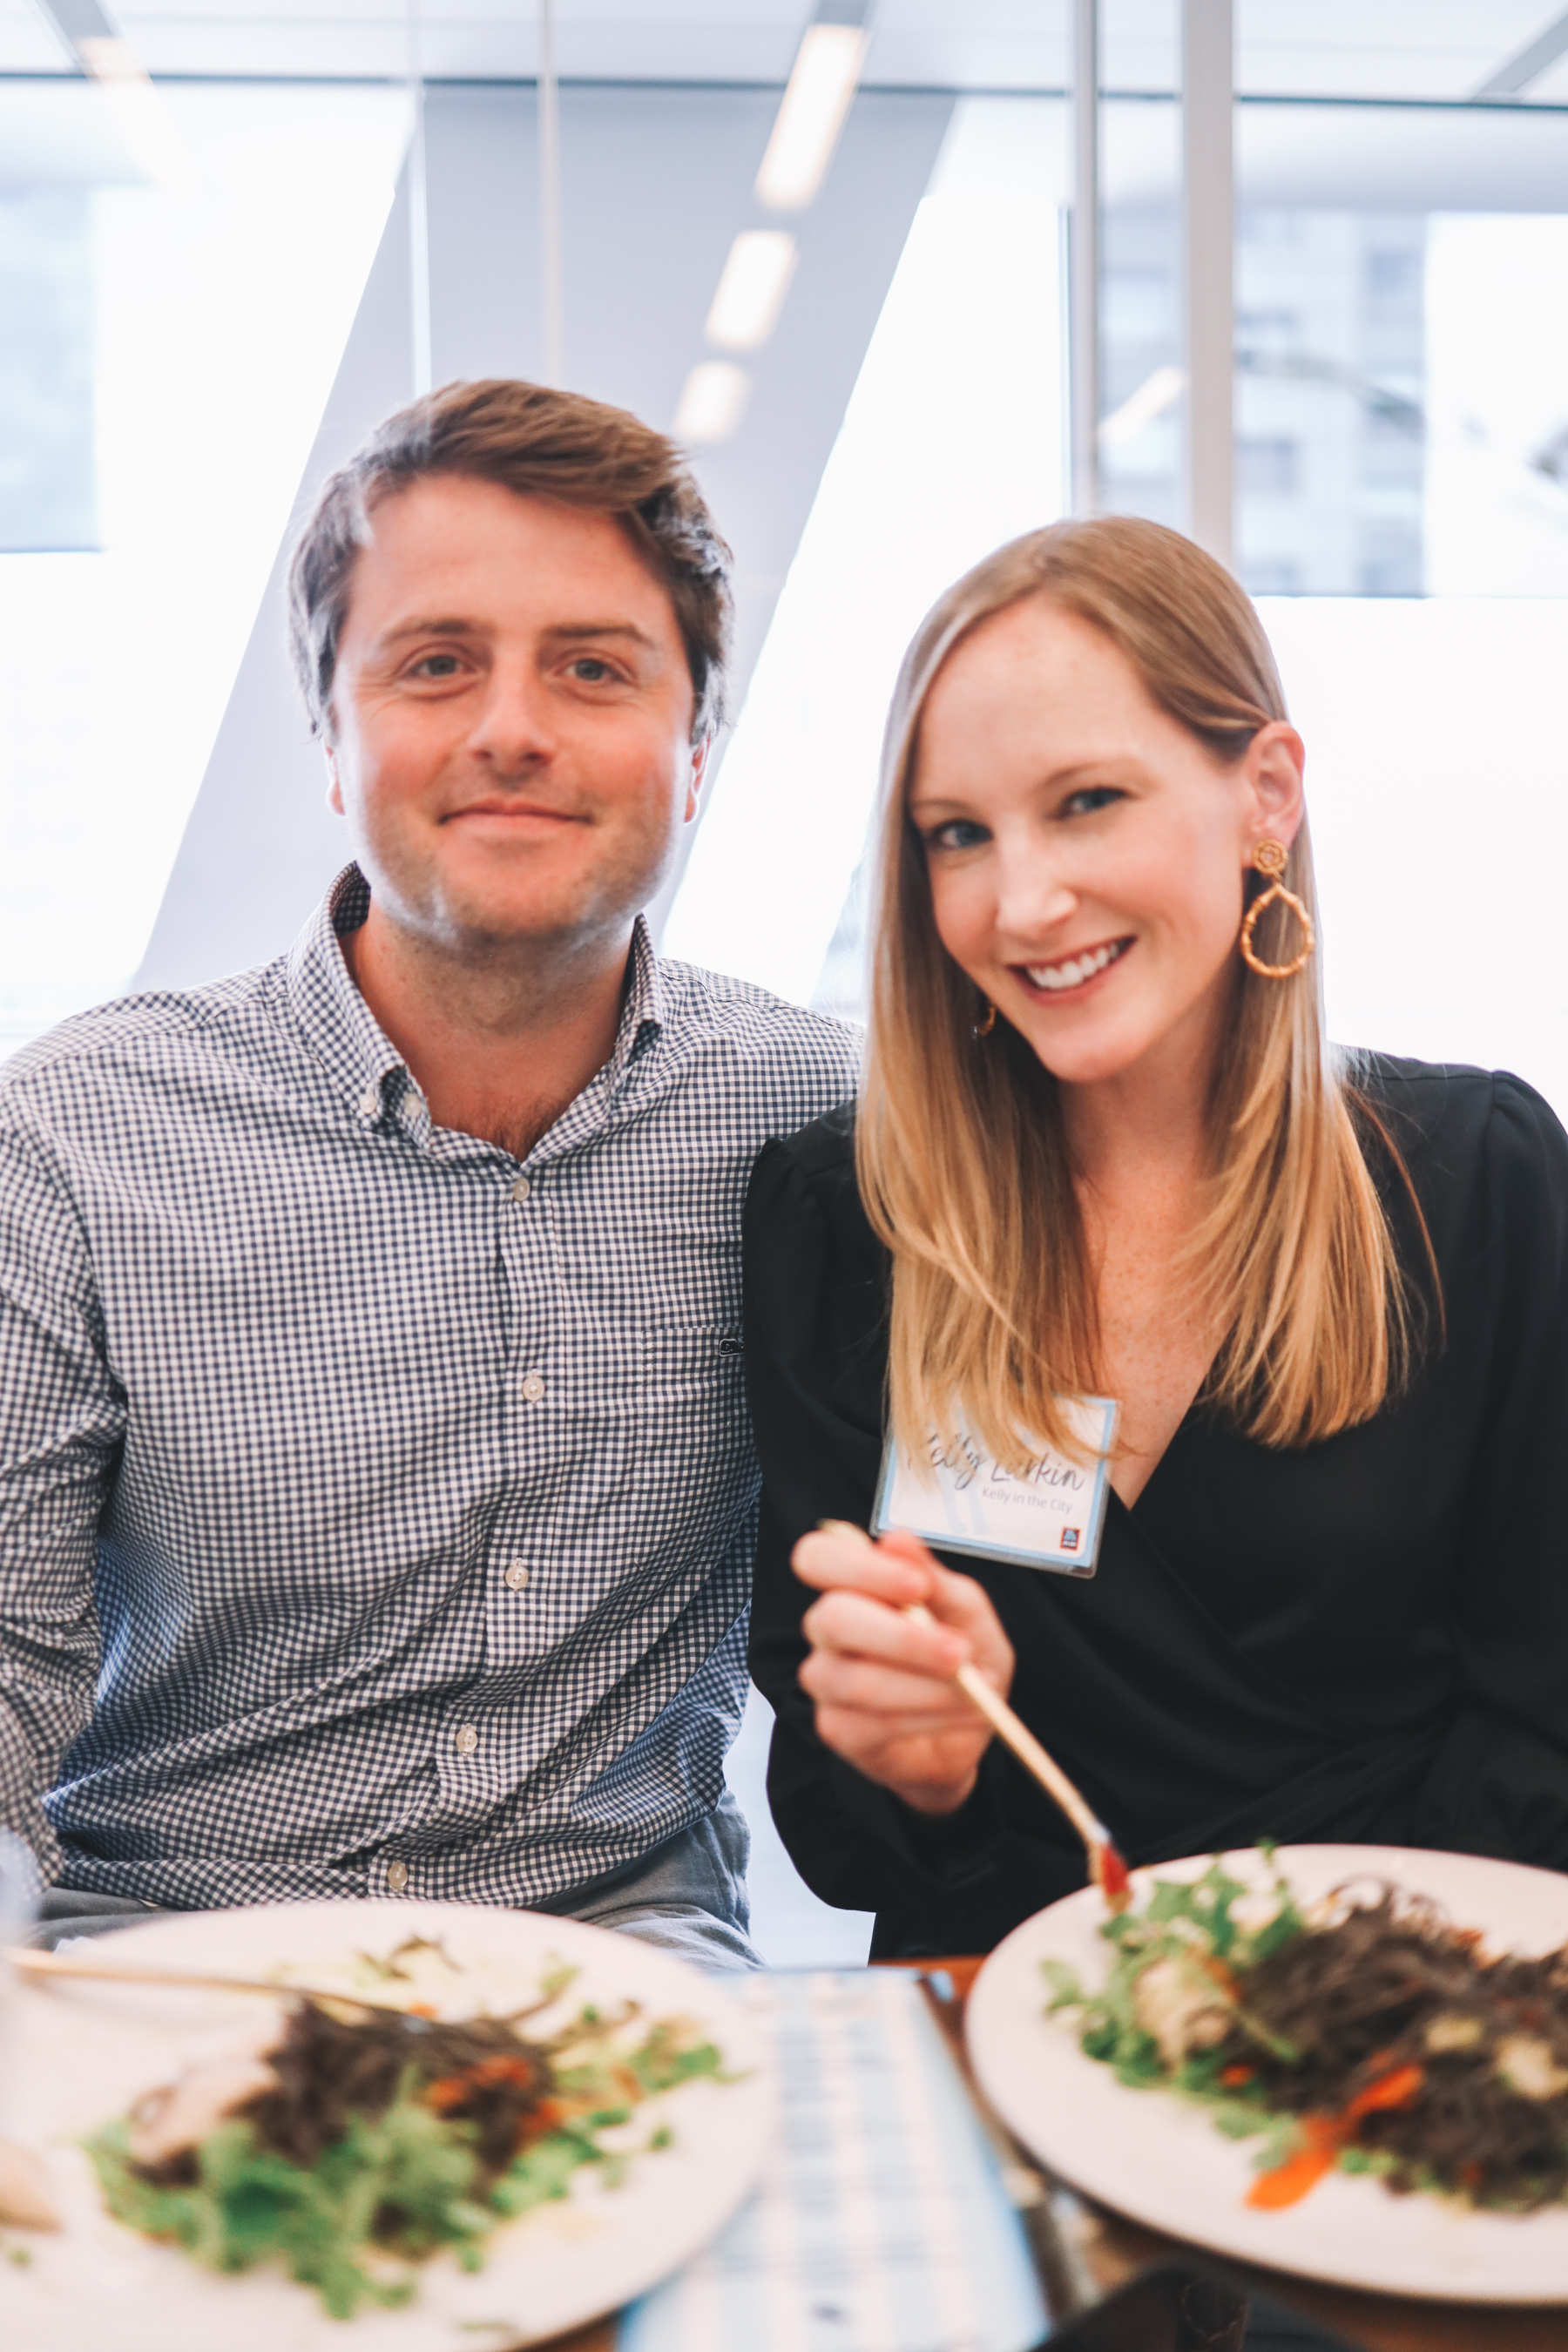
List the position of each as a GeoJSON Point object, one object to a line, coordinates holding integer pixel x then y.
{"type": "Point", "coordinates": [334, 782]}
{"type": "Point", "coordinates": [701, 753]}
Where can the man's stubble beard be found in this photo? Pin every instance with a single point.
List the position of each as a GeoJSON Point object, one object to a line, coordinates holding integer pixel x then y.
{"type": "Point", "coordinates": [462, 920]}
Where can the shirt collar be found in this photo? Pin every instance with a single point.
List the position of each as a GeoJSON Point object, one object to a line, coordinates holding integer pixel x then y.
{"type": "Point", "coordinates": [359, 1056]}
{"type": "Point", "coordinates": [643, 1014]}
{"type": "Point", "coordinates": [336, 1019]}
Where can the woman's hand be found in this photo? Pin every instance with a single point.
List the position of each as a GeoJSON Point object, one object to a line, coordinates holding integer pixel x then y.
{"type": "Point", "coordinates": [881, 1682]}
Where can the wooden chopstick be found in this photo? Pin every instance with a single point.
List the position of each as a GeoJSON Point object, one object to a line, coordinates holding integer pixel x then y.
{"type": "Point", "coordinates": [28, 1961]}
{"type": "Point", "coordinates": [1105, 1863]}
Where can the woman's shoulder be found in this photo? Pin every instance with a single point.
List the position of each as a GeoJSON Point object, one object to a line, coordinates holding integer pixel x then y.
{"type": "Point", "coordinates": [823, 1150]}
{"type": "Point", "coordinates": [1437, 1098]}
{"type": "Point", "coordinates": [1461, 1133]}
{"type": "Point", "coordinates": [803, 1219]}
{"type": "Point", "coordinates": [810, 1175]}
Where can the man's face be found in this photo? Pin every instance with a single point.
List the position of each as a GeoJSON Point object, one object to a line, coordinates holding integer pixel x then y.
{"type": "Point", "coordinates": [511, 718]}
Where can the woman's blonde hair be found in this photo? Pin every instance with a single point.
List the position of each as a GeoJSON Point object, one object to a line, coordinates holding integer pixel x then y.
{"type": "Point", "coordinates": [961, 1150]}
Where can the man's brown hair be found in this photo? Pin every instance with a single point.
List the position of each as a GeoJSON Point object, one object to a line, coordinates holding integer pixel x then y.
{"type": "Point", "coordinates": [542, 444]}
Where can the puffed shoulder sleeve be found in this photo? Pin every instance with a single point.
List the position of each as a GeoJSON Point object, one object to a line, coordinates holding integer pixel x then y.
{"type": "Point", "coordinates": [814, 1356]}
{"type": "Point", "coordinates": [816, 1353]}
{"type": "Point", "coordinates": [1498, 1784]}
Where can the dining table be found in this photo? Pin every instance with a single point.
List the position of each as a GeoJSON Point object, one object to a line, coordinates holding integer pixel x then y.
{"type": "Point", "coordinates": [1087, 2253]}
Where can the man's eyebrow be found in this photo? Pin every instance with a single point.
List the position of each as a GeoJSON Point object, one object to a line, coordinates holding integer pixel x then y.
{"type": "Point", "coordinates": [452, 627]}
{"type": "Point", "coordinates": [567, 631]}
{"type": "Point", "coordinates": [573, 631]}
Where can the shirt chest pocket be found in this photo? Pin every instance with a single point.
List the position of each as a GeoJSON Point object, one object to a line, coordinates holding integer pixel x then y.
{"type": "Point", "coordinates": [672, 1272]}
{"type": "Point", "coordinates": [677, 1367]}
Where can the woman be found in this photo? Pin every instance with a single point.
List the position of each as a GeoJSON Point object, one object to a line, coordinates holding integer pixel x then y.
{"type": "Point", "coordinates": [1102, 1153]}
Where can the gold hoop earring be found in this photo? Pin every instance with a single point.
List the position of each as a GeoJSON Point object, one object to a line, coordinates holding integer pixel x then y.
{"type": "Point", "coordinates": [987, 1021]}
{"type": "Point", "coordinates": [1269, 858]}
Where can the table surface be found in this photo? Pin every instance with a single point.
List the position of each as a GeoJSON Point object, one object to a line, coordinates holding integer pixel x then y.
{"type": "Point", "coordinates": [1111, 2251]}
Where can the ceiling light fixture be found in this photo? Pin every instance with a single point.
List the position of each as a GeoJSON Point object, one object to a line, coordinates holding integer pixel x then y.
{"type": "Point", "coordinates": [106, 57]}
{"type": "Point", "coordinates": [1154, 395]}
{"type": "Point", "coordinates": [712, 402]}
{"type": "Point", "coordinates": [812, 110]}
{"type": "Point", "coordinates": [752, 290]}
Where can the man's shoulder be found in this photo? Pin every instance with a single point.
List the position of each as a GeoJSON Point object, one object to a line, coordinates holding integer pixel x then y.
{"type": "Point", "coordinates": [144, 1036]}
{"type": "Point", "coordinates": [736, 1019]}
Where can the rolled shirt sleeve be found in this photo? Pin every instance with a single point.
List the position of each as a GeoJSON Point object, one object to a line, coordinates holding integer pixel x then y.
{"type": "Point", "coordinates": [61, 1421]}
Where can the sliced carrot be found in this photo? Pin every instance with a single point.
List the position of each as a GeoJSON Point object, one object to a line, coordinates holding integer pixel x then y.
{"type": "Point", "coordinates": [1324, 2137]}
{"type": "Point", "coordinates": [1395, 2090]}
{"type": "Point", "coordinates": [1289, 2182]}
{"type": "Point", "coordinates": [1232, 2077]}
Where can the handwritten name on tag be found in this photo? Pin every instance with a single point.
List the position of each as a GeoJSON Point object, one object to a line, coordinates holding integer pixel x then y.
{"type": "Point", "coordinates": [1050, 1518]}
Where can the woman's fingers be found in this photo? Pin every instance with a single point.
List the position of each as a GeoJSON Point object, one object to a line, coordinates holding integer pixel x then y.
{"type": "Point", "coordinates": [888, 1578]}
{"type": "Point", "coordinates": [859, 1624]}
{"type": "Point", "coordinates": [881, 1681]}
{"type": "Point", "coordinates": [835, 1679]}
{"type": "Point", "coordinates": [830, 1561]}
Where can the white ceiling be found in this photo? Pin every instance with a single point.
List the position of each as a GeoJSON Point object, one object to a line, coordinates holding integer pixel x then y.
{"type": "Point", "coordinates": [1365, 49]}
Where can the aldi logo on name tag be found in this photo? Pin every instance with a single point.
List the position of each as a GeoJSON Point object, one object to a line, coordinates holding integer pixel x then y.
{"type": "Point", "coordinates": [964, 1501]}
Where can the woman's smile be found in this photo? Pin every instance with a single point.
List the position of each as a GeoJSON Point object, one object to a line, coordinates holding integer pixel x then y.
{"type": "Point", "coordinates": [1072, 975]}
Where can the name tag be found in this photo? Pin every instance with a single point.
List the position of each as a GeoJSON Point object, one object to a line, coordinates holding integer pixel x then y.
{"type": "Point", "coordinates": [1050, 1518]}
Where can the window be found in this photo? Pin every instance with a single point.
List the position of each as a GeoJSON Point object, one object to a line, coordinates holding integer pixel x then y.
{"type": "Point", "coordinates": [1269, 466]}
{"type": "Point", "coordinates": [168, 352]}
{"type": "Point", "coordinates": [48, 485]}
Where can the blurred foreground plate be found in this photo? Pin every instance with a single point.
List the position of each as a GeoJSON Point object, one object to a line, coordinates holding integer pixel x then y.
{"type": "Point", "coordinates": [1161, 2162]}
{"type": "Point", "coordinates": [82, 2052]}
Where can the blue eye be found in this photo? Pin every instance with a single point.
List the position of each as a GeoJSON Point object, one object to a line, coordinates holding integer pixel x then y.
{"type": "Point", "coordinates": [590, 670]}
{"type": "Point", "coordinates": [1092, 798]}
{"type": "Point", "coordinates": [959, 832]}
{"type": "Point", "coordinates": [437, 666]}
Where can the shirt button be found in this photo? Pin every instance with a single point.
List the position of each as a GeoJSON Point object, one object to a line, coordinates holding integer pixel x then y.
{"type": "Point", "coordinates": [466, 1739]}
{"type": "Point", "coordinates": [533, 1388]}
{"type": "Point", "coordinates": [517, 1575]}
{"type": "Point", "coordinates": [370, 1102]}
{"type": "Point", "coordinates": [521, 1189]}
{"type": "Point", "coordinates": [397, 1876]}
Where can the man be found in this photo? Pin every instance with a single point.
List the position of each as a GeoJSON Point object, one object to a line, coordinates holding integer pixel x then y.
{"type": "Point", "coordinates": [371, 1414]}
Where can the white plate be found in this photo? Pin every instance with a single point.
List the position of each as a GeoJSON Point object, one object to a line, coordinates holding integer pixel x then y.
{"type": "Point", "coordinates": [82, 2054]}
{"type": "Point", "coordinates": [1161, 2162]}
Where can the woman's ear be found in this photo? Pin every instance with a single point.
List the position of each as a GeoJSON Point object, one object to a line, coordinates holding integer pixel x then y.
{"type": "Point", "coordinates": [1276, 764]}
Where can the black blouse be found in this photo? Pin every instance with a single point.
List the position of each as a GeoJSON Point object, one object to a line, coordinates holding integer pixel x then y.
{"type": "Point", "coordinates": [1362, 1640]}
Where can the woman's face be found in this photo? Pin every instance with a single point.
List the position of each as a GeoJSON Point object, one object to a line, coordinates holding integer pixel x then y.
{"type": "Point", "coordinates": [1085, 853]}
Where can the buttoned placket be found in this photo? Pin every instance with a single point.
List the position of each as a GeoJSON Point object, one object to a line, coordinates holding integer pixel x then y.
{"type": "Point", "coordinates": [518, 1588]}
{"type": "Point", "coordinates": [389, 1101]}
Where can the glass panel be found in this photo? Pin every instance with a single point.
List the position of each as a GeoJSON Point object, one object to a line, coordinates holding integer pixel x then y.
{"type": "Point", "coordinates": [1402, 367]}
{"type": "Point", "coordinates": [168, 354]}
{"type": "Point", "coordinates": [951, 443]}
{"type": "Point", "coordinates": [48, 479]}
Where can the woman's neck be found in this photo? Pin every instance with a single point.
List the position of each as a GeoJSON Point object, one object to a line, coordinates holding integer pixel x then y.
{"type": "Point", "coordinates": [1145, 1126]}
{"type": "Point", "coordinates": [1139, 1147]}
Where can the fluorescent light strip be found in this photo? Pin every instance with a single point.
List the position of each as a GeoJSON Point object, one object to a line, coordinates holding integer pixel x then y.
{"type": "Point", "coordinates": [811, 115]}
{"type": "Point", "coordinates": [1154, 395]}
{"type": "Point", "coordinates": [138, 110]}
{"type": "Point", "coordinates": [752, 290]}
{"type": "Point", "coordinates": [712, 402]}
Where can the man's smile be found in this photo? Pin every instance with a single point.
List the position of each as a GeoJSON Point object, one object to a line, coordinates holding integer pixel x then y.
{"type": "Point", "coordinates": [502, 809]}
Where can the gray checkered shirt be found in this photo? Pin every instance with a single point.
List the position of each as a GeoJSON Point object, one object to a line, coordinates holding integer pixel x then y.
{"type": "Point", "coordinates": [377, 1510]}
